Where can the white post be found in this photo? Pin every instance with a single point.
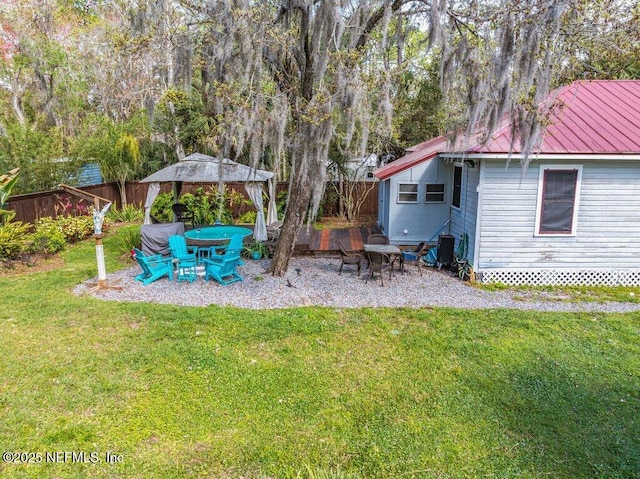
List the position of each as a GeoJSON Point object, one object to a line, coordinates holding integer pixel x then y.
{"type": "Point", "coordinates": [98, 218]}
{"type": "Point", "coordinates": [102, 269]}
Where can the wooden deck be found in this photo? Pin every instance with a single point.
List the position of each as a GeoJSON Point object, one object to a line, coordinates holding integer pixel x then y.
{"type": "Point", "coordinates": [326, 241]}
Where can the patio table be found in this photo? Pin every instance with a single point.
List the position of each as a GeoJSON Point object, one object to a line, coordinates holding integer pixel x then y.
{"type": "Point", "coordinates": [213, 234]}
{"type": "Point", "coordinates": [389, 249]}
{"type": "Point", "coordinates": [207, 238]}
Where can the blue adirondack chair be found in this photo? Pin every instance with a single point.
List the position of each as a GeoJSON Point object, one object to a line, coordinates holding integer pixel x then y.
{"type": "Point", "coordinates": [186, 261]}
{"type": "Point", "coordinates": [153, 267]}
{"type": "Point", "coordinates": [223, 271]}
{"type": "Point", "coordinates": [180, 250]}
{"type": "Point", "coordinates": [232, 248]}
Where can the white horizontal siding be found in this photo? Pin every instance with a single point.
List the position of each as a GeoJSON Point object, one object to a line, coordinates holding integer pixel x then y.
{"type": "Point", "coordinates": [607, 233]}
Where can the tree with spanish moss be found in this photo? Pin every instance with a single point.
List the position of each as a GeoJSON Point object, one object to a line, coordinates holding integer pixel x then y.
{"type": "Point", "coordinates": [283, 76]}
{"type": "Point", "coordinates": [498, 57]}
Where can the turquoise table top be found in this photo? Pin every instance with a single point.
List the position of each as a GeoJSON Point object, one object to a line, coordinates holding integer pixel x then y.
{"type": "Point", "coordinates": [212, 233]}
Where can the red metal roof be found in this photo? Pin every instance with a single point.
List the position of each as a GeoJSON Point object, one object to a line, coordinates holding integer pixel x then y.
{"type": "Point", "coordinates": [417, 154]}
{"type": "Point", "coordinates": [600, 117]}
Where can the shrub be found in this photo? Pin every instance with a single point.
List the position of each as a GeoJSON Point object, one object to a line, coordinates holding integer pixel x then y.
{"type": "Point", "coordinates": [12, 238]}
{"type": "Point", "coordinates": [127, 214]}
{"type": "Point", "coordinates": [76, 228]}
{"type": "Point", "coordinates": [282, 198]}
{"type": "Point", "coordinates": [48, 238]}
{"type": "Point", "coordinates": [248, 218]}
{"type": "Point", "coordinates": [161, 209]}
{"type": "Point", "coordinates": [12, 234]}
{"type": "Point", "coordinates": [128, 238]}
{"type": "Point", "coordinates": [51, 235]}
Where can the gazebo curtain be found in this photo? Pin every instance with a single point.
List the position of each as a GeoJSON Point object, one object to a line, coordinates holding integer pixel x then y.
{"type": "Point", "coordinates": [152, 193]}
{"type": "Point", "coordinates": [254, 190]}
{"type": "Point", "coordinates": [272, 210]}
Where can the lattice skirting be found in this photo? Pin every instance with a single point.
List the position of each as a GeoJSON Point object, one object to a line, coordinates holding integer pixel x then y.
{"type": "Point", "coordinates": [561, 277]}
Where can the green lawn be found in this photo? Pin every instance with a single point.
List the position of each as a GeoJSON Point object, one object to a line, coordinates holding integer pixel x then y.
{"type": "Point", "coordinates": [213, 392]}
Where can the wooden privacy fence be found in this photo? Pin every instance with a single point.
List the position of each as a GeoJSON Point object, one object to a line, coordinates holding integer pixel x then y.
{"type": "Point", "coordinates": [31, 206]}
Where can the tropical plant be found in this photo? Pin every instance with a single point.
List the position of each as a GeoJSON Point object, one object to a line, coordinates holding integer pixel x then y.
{"type": "Point", "coordinates": [7, 182]}
{"type": "Point", "coordinates": [71, 206]}
{"type": "Point", "coordinates": [51, 235]}
{"type": "Point", "coordinates": [127, 214]}
{"type": "Point", "coordinates": [47, 238]}
{"type": "Point", "coordinates": [12, 234]}
{"type": "Point", "coordinates": [207, 206]}
{"type": "Point", "coordinates": [461, 262]}
{"type": "Point", "coordinates": [116, 146]}
{"type": "Point", "coordinates": [13, 238]}
{"type": "Point", "coordinates": [128, 238]}
{"type": "Point", "coordinates": [247, 218]}
{"type": "Point", "coordinates": [161, 208]}
{"type": "Point", "coordinates": [255, 248]}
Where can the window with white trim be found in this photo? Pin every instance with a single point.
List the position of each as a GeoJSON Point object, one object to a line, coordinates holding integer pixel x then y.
{"type": "Point", "coordinates": [434, 193]}
{"type": "Point", "coordinates": [558, 193]}
{"type": "Point", "coordinates": [456, 195]}
{"type": "Point", "coordinates": [407, 192]}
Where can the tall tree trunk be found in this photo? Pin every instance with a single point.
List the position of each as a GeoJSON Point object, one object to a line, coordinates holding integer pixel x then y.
{"type": "Point", "coordinates": [299, 198]}
{"type": "Point", "coordinates": [305, 83]}
{"type": "Point", "coordinates": [16, 102]}
{"type": "Point", "coordinates": [122, 187]}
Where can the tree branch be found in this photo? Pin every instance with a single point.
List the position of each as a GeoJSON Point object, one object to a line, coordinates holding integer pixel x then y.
{"type": "Point", "coordinates": [374, 20]}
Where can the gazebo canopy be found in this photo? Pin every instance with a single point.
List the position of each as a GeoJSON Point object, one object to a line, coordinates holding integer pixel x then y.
{"type": "Point", "coordinates": [200, 168]}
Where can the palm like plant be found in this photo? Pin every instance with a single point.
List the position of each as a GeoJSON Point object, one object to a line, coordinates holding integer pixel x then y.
{"type": "Point", "coordinates": [7, 182]}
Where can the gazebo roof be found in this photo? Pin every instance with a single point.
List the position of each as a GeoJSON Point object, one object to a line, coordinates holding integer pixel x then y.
{"type": "Point", "coordinates": [200, 168]}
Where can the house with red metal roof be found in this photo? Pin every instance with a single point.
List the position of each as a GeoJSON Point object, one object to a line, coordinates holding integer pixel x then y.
{"type": "Point", "coordinates": [571, 217]}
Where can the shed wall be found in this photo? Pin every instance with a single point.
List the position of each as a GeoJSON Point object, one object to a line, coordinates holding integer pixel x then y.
{"type": "Point", "coordinates": [383, 201]}
{"type": "Point", "coordinates": [420, 220]}
{"type": "Point", "coordinates": [608, 229]}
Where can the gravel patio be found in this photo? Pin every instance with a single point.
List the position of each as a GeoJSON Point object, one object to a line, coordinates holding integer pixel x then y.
{"type": "Point", "coordinates": [314, 281]}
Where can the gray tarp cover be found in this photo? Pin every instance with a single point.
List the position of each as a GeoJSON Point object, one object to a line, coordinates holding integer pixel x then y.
{"type": "Point", "coordinates": [155, 238]}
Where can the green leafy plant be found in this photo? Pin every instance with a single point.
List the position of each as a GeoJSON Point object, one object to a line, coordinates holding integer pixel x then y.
{"type": "Point", "coordinates": [161, 209]}
{"type": "Point", "coordinates": [206, 205]}
{"type": "Point", "coordinates": [128, 238]}
{"type": "Point", "coordinates": [12, 234]}
{"type": "Point", "coordinates": [12, 238]}
{"type": "Point", "coordinates": [76, 228]}
{"type": "Point", "coordinates": [127, 214]}
{"type": "Point", "coordinates": [51, 235]}
{"type": "Point", "coordinates": [116, 146]}
{"type": "Point", "coordinates": [7, 182]}
{"type": "Point", "coordinates": [462, 264]}
{"type": "Point", "coordinates": [48, 238]}
{"type": "Point", "coordinates": [282, 199]}
{"type": "Point", "coordinates": [248, 218]}
{"type": "Point", "coordinates": [70, 206]}
{"type": "Point", "coordinates": [257, 247]}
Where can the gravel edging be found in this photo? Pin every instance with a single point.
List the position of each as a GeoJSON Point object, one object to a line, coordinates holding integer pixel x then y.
{"type": "Point", "coordinates": [312, 281]}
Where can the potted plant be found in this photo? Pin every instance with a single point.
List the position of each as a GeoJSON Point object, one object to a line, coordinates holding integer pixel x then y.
{"type": "Point", "coordinates": [256, 249]}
